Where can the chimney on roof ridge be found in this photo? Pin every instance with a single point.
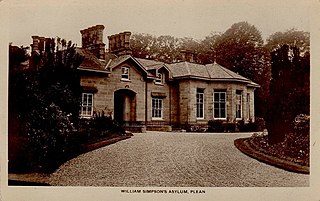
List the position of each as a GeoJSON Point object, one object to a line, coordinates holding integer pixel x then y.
{"type": "Point", "coordinates": [92, 39]}
{"type": "Point", "coordinates": [187, 55]}
{"type": "Point", "coordinates": [119, 44]}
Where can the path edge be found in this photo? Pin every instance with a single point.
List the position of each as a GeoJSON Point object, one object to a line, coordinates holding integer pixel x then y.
{"type": "Point", "coordinates": [244, 146]}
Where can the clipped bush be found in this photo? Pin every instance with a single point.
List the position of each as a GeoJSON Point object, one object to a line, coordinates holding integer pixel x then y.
{"type": "Point", "coordinates": [216, 126]}
{"type": "Point", "coordinates": [230, 127]}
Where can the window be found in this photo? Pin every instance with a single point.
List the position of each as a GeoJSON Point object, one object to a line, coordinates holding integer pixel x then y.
{"type": "Point", "coordinates": [125, 73]}
{"type": "Point", "coordinates": [200, 103]}
{"type": "Point", "coordinates": [157, 108]}
{"type": "Point", "coordinates": [219, 104]}
{"type": "Point", "coordinates": [86, 104]}
{"type": "Point", "coordinates": [238, 104]}
{"type": "Point", "coordinates": [159, 79]}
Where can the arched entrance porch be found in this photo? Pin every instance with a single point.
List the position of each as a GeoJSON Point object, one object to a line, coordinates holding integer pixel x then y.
{"type": "Point", "coordinates": [125, 105]}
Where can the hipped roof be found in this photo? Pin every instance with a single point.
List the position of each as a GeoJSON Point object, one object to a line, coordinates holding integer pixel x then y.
{"type": "Point", "coordinates": [180, 70]}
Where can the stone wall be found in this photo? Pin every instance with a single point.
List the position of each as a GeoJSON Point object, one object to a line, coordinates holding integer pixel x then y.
{"type": "Point", "coordinates": [188, 89]}
{"type": "Point", "coordinates": [108, 84]}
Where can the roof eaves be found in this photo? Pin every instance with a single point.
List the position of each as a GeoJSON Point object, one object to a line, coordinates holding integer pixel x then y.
{"type": "Point", "coordinates": [93, 70]}
{"type": "Point", "coordinates": [216, 79]}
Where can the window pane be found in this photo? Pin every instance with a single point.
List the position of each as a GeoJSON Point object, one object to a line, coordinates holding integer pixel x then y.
{"type": "Point", "coordinates": [86, 105]}
{"type": "Point", "coordinates": [89, 100]}
{"type": "Point", "coordinates": [156, 107]}
{"type": "Point", "coordinates": [223, 113]}
{"type": "Point", "coordinates": [219, 104]}
{"type": "Point", "coordinates": [125, 73]}
{"type": "Point", "coordinates": [222, 97]}
{"type": "Point", "coordinates": [85, 99]}
{"type": "Point", "coordinates": [216, 97]}
{"type": "Point", "coordinates": [216, 113]}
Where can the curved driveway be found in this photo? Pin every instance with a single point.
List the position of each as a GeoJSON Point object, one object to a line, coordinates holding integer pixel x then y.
{"type": "Point", "coordinates": [173, 160]}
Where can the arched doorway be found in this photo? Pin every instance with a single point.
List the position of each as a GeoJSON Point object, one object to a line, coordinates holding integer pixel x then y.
{"type": "Point", "coordinates": [125, 105]}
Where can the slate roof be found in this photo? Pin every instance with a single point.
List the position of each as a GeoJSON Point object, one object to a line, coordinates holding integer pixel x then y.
{"type": "Point", "coordinates": [212, 71]}
{"type": "Point", "coordinates": [150, 64]}
{"type": "Point", "coordinates": [178, 70]}
{"type": "Point", "coordinates": [91, 62]}
{"type": "Point", "coordinates": [117, 61]}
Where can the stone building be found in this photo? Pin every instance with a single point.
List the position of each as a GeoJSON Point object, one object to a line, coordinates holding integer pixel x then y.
{"type": "Point", "coordinates": [155, 95]}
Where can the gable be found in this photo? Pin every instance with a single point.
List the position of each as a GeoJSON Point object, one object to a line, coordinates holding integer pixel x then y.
{"type": "Point", "coordinates": [129, 60]}
{"type": "Point", "coordinates": [153, 67]}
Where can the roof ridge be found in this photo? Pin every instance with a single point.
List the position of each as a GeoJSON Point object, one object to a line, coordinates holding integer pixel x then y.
{"type": "Point", "coordinates": [224, 69]}
{"type": "Point", "coordinates": [207, 70]}
{"type": "Point", "coordinates": [188, 68]}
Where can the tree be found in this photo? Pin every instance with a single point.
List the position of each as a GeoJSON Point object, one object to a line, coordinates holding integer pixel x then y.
{"type": "Point", "coordinates": [163, 48]}
{"type": "Point", "coordinates": [289, 89]}
{"type": "Point", "coordinates": [143, 45]}
{"type": "Point", "coordinates": [290, 85]}
{"type": "Point", "coordinates": [292, 37]}
{"type": "Point", "coordinates": [206, 52]}
{"type": "Point", "coordinates": [17, 55]}
{"type": "Point", "coordinates": [44, 102]}
{"type": "Point", "coordinates": [240, 49]}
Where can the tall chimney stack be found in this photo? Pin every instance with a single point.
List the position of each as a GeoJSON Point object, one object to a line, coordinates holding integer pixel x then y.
{"type": "Point", "coordinates": [92, 39]}
{"type": "Point", "coordinates": [187, 55]}
{"type": "Point", "coordinates": [119, 44]}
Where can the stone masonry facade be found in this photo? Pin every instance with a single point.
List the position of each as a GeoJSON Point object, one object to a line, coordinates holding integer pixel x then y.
{"type": "Point", "coordinates": [153, 94]}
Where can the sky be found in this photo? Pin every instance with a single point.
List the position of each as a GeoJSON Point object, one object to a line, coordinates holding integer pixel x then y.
{"type": "Point", "coordinates": [178, 18]}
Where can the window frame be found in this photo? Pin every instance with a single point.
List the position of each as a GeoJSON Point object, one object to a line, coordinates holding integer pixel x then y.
{"type": "Point", "coordinates": [84, 113]}
{"type": "Point", "coordinates": [240, 96]}
{"type": "Point", "coordinates": [155, 110]}
{"type": "Point", "coordinates": [160, 79]}
{"type": "Point", "coordinates": [127, 75]}
{"type": "Point", "coordinates": [199, 111]}
{"type": "Point", "coordinates": [219, 92]}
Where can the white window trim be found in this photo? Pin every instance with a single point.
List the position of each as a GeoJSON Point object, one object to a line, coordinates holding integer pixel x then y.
{"type": "Point", "coordinates": [125, 79]}
{"type": "Point", "coordinates": [241, 105]}
{"type": "Point", "coordinates": [159, 81]}
{"type": "Point", "coordinates": [226, 106]}
{"type": "Point", "coordinates": [161, 114]}
{"type": "Point", "coordinates": [81, 111]}
{"type": "Point", "coordinates": [200, 118]}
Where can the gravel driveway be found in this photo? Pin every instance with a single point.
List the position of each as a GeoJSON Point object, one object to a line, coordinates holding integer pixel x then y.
{"type": "Point", "coordinates": [173, 160]}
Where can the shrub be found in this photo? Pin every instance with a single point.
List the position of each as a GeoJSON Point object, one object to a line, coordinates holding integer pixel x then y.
{"type": "Point", "coordinates": [100, 126]}
{"type": "Point", "coordinates": [216, 126]}
{"type": "Point", "coordinates": [230, 127]}
{"type": "Point", "coordinates": [257, 126]}
{"type": "Point", "coordinates": [260, 124]}
{"type": "Point", "coordinates": [240, 125]}
{"type": "Point", "coordinates": [48, 132]}
{"type": "Point", "coordinates": [301, 124]}
{"type": "Point", "coordinates": [294, 147]}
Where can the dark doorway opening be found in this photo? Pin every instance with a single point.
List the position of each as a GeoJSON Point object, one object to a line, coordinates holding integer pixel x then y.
{"type": "Point", "coordinates": [125, 105]}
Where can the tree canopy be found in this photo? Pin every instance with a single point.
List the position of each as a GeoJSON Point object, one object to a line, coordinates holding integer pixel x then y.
{"type": "Point", "coordinates": [44, 101]}
{"type": "Point", "coordinates": [292, 37]}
